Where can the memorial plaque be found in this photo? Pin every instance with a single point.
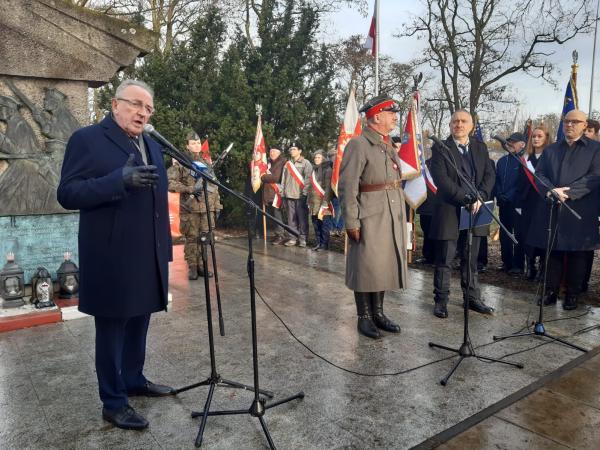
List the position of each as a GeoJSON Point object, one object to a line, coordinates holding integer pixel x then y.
{"type": "Point", "coordinates": [39, 241]}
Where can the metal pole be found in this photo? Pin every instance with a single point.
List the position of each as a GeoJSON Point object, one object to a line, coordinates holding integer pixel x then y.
{"type": "Point", "coordinates": [594, 59]}
{"type": "Point", "coordinates": [376, 47]}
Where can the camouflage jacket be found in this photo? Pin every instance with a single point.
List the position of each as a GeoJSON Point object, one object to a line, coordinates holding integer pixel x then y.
{"type": "Point", "coordinates": [181, 180]}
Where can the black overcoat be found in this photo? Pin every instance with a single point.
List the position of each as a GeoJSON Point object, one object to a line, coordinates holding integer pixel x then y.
{"type": "Point", "coordinates": [451, 192]}
{"type": "Point", "coordinates": [579, 169]}
{"type": "Point", "coordinates": [124, 235]}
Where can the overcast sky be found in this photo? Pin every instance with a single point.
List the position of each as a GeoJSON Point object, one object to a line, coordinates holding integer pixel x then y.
{"type": "Point", "coordinates": [537, 96]}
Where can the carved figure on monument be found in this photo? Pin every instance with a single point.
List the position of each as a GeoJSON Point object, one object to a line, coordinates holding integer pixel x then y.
{"type": "Point", "coordinates": [27, 183]}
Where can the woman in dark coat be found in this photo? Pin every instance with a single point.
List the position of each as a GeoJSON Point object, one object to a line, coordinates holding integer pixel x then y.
{"type": "Point", "coordinates": [529, 197]}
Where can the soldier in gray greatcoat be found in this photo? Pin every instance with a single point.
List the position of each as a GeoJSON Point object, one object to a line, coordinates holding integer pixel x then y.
{"type": "Point", "coordinates": [373, 206]}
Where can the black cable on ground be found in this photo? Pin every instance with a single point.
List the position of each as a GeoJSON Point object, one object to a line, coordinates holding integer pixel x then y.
{"type": "Point", "coordinates": [411, 369]}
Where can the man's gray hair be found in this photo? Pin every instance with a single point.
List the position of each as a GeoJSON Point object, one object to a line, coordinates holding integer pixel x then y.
{"type": "Point", "coordinates": [129, 82]}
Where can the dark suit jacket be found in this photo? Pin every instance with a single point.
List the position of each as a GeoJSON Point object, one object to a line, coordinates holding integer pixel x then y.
{"type": "Point", "coordinates": [124, 235]}
{"type": "Point", "coordinates": [579, 169]}
{"type": "Point", "coordinates": [451, 192]}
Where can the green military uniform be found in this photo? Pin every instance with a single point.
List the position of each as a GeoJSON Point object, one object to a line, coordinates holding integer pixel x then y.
{"type": "Point", "coordinates": [192, 210]}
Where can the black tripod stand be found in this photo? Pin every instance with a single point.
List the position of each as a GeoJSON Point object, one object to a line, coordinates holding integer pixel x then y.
{"type": "Point", "coordinates": [466, 350]}
{"type": "Point", "coordinates": [259, 406]}
{"type": "Point", "coordinates": [539, 329]}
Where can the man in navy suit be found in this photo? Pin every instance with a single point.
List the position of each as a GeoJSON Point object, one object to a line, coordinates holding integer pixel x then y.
{"type": "Point", "coordinates": [116, 178]}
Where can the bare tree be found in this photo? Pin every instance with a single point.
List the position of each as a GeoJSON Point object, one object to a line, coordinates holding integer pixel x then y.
{"type": "Point", "coordinates": [475, 45]}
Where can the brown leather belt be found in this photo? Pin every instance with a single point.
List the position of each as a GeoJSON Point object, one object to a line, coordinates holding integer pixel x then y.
{"type": "Point", "coordinates": [391, 185]}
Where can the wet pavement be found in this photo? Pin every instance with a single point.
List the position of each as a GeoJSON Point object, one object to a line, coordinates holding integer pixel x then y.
{"type": "Point", "coordinates": [48, 391]}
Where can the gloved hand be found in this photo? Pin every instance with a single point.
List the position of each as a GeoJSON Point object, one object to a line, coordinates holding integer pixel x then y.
{"type": "Point", "coordinates": [198, 188]}
{"type": "Point", "coordinates": [469, 199]}
{"type": "Point", "coordinates": [138, 177]}
{"type": "Point", "coordinates": [354, 234]}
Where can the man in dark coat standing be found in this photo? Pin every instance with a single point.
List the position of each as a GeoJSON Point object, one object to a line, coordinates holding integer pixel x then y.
{"type": "Point", "coordinates": [373, 205]}
{"type": "Point", "coordinates": [271, 195]}
{"type": "Point", "coordinates": [116, 178]}
{"type": "Point", "coordinates": [471, 157]}
{"type": "Point", "coordinates": [571, 168]}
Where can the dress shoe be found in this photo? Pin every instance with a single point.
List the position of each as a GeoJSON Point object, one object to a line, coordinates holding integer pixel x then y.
{"type": "Point", "coordinates": [202, 272]}
{"type": "Point", "coordinates": [570, 303]}
{"type": "Point", "coordinates": [193, 273]}
{"type": "Point", "coordinates": [125, 418]}
{"type": "Point", "coordinates": [515, 271]}
{"type": "Point", "coordinates": [502, 268]}
{"type": "Point", "coordinates": [440, 309]}
{"type": "Point", "coordinates": [302, 243]}
{"type": "Point", "coordinates": [278, 240]}
{"type": "Point", "coordinates": [550, 299]}
{"type": "Point", "coordinates": [290, 243]}
{"type": "Point", "coordinates": [481, 268]}
{"type": "Point", "coordinates": [151, 390]}
{"type": "Point", "coordinates": [379, 318]}
{"type": "Point", "coordinates": [480, 307]}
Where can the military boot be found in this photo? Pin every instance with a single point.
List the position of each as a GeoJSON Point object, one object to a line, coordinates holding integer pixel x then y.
{"type": "Point", "coordinates": [380, 319]}
{"type": "Point", "coordinates": [365, 324]}
{"type": "Point", "coordinates": [192, 272]}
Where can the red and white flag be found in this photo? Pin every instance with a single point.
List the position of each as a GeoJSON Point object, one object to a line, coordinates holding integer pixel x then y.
{"type": "Point", "coordinates": [258, 165]}
{"type": "Point", "coordinates": [412, 156]}
{"type": "Point", "coordinates": [277, 199]}
{"type": "Point", "coordinates": [371, 41]}
{"type": "Point", "coordinates": [350, 127]}
{"type": "Point", "coordinates": [205, 151]}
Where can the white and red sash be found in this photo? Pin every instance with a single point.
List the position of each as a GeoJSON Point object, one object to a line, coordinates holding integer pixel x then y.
{"type": "Point", "coordinates": [321, 193]}
{"type": "Point", "coordinates": [529, 170]}
{"type": "Point", "coordinates": [277, 200]}
{"type": "Point", "coordinates": [291, 168]}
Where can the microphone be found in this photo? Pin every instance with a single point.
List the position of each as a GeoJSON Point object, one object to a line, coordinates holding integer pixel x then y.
{"type": "Point", "coordinates": [223, 155]}
{"type": "Point", "coordinates": [500, 139]}
{"type": "Point", "coordinates": [150, 130]}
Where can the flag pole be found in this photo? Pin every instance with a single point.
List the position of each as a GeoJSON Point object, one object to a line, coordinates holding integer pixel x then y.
{"type": "Point", "coordinates": [594, 59]}
{"type": "Point", "coordinates": [376, 47]}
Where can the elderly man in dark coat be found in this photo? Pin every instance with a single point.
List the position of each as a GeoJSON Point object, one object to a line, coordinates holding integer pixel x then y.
{"type": "Point", "coordinates": [373, 205]}
{"type": "Point", "coordinates": [471, 157]}
{"type": "Point", "coordinates": [571, 167]}
{"type": "Point", "coordinates": [116, 178]}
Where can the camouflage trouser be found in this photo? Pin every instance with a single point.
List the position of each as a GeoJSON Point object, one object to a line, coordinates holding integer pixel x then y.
{"type": "Point", "coordinates": [191, 225]}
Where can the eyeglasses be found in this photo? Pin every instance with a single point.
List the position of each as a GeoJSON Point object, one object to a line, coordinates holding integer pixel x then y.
{"type": "Point", "coordinates": [573, 122]}
{"type": "Point", "coordinates": [137, 104]}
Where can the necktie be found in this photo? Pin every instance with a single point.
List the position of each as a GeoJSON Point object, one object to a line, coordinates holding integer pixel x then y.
{"type": "Point", "coordinates": [463, 149]}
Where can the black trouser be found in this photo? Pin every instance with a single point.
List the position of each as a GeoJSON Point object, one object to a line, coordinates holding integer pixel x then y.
{"type": "Point", "coordinates": [120, 356]}
{"type": "Point", "coordinates": [575, 271]}
{"type": "Point", "coordinates": [588, 269]}
{"type": "Point", "coordinates": [428, 243]}
{"type": "Point", "coordinates": [297, 216]}
{"type": "Point", "coordinates": [276, 212]}
{"type": "Point", "coordinates": [322, 230]}
{"type": "Point", "coordinates": [444, 255]}
{"type": "Point", "coordinates": [513, 255]}
{"type": "Point", "coordinates": [482, 255]}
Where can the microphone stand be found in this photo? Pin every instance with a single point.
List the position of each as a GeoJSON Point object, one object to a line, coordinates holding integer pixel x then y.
{"type": "Point", "coordinates": [466, 349]}
{"type": "Point", "coordinates": [539, 329]}
{"type": "Point", "coordinates": [259, 405]}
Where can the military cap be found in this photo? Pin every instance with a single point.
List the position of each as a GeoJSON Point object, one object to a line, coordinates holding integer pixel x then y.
{"type": "Point", "coordinates": [382, 102]}
{"type": "Point", "coordinates": [295, 144]}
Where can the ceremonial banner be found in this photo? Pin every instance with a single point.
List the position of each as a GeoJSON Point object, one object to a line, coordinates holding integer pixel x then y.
{"type": "Point", "coordinates": [371, 41]}
{"type": "Point", "coordinates": [258, 166]}
{"type": "Point", "coordinates": [350, 127]}
{"type": "Point", "coordinates": [570, 103]}
{"type": "Point", "coordinates": [415, 190]}
{"type": "Point", "coordinates": [478, 133]}
{"type": "Point", "coordinates": [409, 149]}
{"type": "Point", "coordinates": [205, 151]}
{"type": "Point", "coordinates": [277, 199]}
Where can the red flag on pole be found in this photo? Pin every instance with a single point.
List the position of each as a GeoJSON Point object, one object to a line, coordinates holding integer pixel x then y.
{"type": "Point", "coordinates": [205, 151]}
{"type": "Point", "coordinates": [258, 166]}
{"type": "Point", "coordinates": [350, 127]}
{"type": "Point", "coordinates": [371, 41]}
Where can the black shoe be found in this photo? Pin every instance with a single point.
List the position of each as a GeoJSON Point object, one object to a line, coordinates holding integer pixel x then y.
{"type": "Point", "coordinates": [322, 248]}
{"type": "Point", "coordinates": [316, 248]}
{"type": "Point", "coordinates": [193, 273]}
{"type": "Point", "coordinates": [570, 303]}
{"type": "Point", "coordinates": [550, 299]}
{"type": "Point", "coordinates": [502, 268]}
{"type": "Point", "coordinates": [531, 274]}
{"type": "Point", "coordinates": [421, 260]}
{"type": "Point", "coordinates": [515, 271]}
{"type": "Point", "coordinates": [201, 272]}
{"type": "Point", "coordinates": [481, 268]}
{"type": "Point", "coordinates": [125, 418]}
{"type": "Point", "coordinates": [365, 324]}
{"type": "Point", "coordinates": [379, 318]}
{"type": "Point", "coordinates": [440, 310]}
{"type": "Point", "coordinates": [480, 307]}
{"type": "Point", "coordinates": [152, 390]}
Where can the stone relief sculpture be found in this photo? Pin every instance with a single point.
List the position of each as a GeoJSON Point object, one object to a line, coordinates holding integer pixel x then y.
{"type": "Point", "coordinates": [29, 172]}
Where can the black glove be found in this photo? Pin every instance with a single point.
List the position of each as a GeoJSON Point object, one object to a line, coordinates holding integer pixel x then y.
{"type": "Point", "coordinates": [138, 177]}
{"type": "Point", "coordinates": [469, 199]}
{"type": "Point", "coordinates": [198, 187]}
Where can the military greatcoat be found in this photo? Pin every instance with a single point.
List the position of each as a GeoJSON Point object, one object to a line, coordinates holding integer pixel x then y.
{"type": "Point", "coordinates": [378, 261]}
